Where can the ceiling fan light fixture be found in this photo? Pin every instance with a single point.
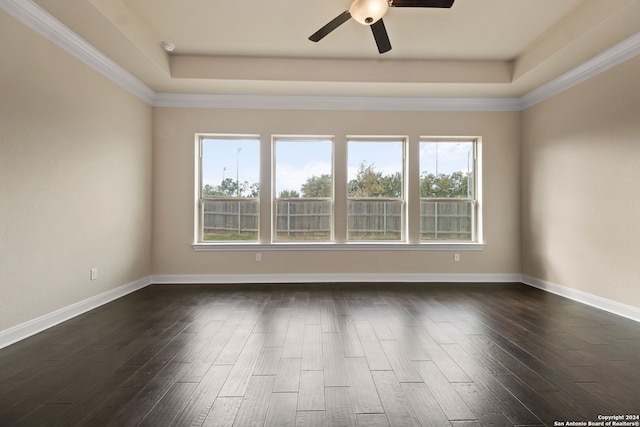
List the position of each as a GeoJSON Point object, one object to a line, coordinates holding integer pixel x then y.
{"type": "Point", "coordinates": [368, 12]}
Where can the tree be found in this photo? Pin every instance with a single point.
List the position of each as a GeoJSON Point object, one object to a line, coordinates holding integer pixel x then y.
{"type": "Point", "coordinates": [228, 187]}
{"type": "Point", "coordinates": [369, 183]}
{"type": "Point", "coordinates": [254, 189]}
{"type": "Point", "coordinates": [392, 185]}
{"type": "Point", "coordinates": [208, 191]}
{"type": "Point", "coordinates": [288, 194]}
{"type": "Point", "coordinates": [231, 188]}
{"type": "Point", "coordinates": [317, 186]}
{"type": "Point", "coordinates": [456, 185]}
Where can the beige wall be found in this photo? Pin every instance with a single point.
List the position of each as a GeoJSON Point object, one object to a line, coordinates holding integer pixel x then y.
{"type": "Point", "coordinates": [75, 179]}
{"type": "Point", "coordinates": [581, 178]}
{"type": "Point", "coordinates": [91, 176]}
{"type": "Point", "coordinates": [174, 130]}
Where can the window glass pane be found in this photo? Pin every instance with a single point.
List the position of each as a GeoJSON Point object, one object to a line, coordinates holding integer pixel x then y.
{"type": "Point", "coordinates": [230, 187]}
{"type": "Point", "coordinates": [446, 169]}
{"type": "Point", "coordinates": [375, 169]}
{"type": "Point", "coordinates": [447, 172]}
{"type": "Point", "coordinates": [304, 189]}
{"type": "Point", "coordinates": [375, 208]}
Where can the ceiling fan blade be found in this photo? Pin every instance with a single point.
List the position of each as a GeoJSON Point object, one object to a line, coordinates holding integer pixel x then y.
{"type": "Point", "coordinates": [332, 25]}
{"type": "Point", "coordinates": [422, 3]}
{"type": "Point", "coordinates": [380, 34]}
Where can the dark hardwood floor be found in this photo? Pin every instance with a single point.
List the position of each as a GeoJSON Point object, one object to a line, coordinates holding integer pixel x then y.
{"type": "Point", "coordinates": [326, 355]}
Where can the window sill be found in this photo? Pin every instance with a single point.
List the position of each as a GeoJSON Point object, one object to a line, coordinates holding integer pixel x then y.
{"type": "Point", "coordinates": [365, 246]}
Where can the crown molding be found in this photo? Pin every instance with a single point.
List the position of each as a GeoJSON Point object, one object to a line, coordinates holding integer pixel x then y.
{"type": "Point", "coordinates": [611, 57]}
{"type": "Point", "coordinates": [361, 103]}
{"type": "Point", "coordinates": [36, 18]}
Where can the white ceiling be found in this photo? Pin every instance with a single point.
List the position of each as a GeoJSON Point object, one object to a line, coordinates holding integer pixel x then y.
{"type": "Point", "coordinates": [501, 48]}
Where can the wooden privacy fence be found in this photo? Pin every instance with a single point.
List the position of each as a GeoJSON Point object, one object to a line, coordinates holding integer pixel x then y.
{"type": "Point", "coordinates": [374, 219]}
{"type": "Point", "coordinates": [230, 217]}
{"type": "Point", "coordinates": [311, 219]}
{"type": "Point", "coordinates": [448, 220]}
{"type": "Point", "coordinates": [303, 219]}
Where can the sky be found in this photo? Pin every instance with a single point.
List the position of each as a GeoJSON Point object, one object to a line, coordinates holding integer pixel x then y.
{"type": "Point", "coordinates": [297, 160]}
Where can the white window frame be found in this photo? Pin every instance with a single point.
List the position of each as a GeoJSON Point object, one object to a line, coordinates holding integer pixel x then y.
{"type": "Point", "coordinates": [411, 236]}
{"type": "Point", "coordinates": [404, 187]}
{"type": "Point", "coordinates": [274, 196]}
{"type": "Point", "coordinates": [200, 199]}
{"type": "Point", "coordinates": [475, 201]}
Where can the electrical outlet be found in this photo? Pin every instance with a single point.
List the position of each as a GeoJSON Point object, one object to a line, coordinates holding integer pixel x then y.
{"type": "Point", "coordinates": [258, 257]}
{"type": "Point", "coordinates": [456, 257]}
{"type": "Point", "coordinates": [94, 274]}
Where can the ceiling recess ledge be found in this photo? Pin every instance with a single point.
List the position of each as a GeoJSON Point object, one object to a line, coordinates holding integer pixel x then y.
{"type": "Point", "coordinates": [36, 18]}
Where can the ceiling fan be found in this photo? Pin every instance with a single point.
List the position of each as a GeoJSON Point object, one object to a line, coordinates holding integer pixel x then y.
{"type": "Point", "coordinates": [370, 12]}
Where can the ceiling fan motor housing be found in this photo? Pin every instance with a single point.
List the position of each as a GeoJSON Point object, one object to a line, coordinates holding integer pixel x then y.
{"type": "Point", "coordinates": [368, 12]}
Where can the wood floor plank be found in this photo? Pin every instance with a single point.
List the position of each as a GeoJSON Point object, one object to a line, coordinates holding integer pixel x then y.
{"type": "Point", "coordinates": [372, 420]}
{"type": "Point", "coordinates": [275, 326]}
{"type": "Point", "coordinates": [268, 361]}
{"type": "Point", "coordinates": [100, 392]}
{"type": "Point", "coordinates": [351, 346]}
{"type": "Point", "coordinates": [435, 352]}
{"type": "Point", "coordinates": [424, 405]}
{"type": "Point", "coordinates": [450, 401]}
{"type": "Point", "coordinates": [376, 318]}
{"type": "Point", "coordinates": [312, 348]}
{"type": "Point", "coordinates": [282, 410]}
{"type": "Point", "coordinates": [501, 355]}
{"type": "Point", "coordinates": [328, 317]}
{"type": "Point", "coordinates": [201, 400]}
{"type": "Point", "coordinates": [149, 396]}
{"type": "Point", "coordinates": [311, 393]}
{"type": "Point", "coordinates": [371, 346]}
{"type": "Point", "coordinates": [294, 338]}
{"type": "Point", "coordinates": [201, 365]}
{"type": "Point", "coordinates": [485, 408]}
{"type": "Point", "coordinates": [311, 419]}
{"type": "Point", "coordinates": [169, 405]}
{"type": "Point", "coordinates": [333, 361]}
{"type": "Point", "coordinates": [340, 407]}
{"type": "Point", "coordinates": [254, 407]}
{"type": "Point", "coordinates": [242, 370]}
{"type": "Point", "coordinates": [223, 413]}
{"type": "Point", "coordinates": [395, 402]}
{"type": "Point", "coordinates": [288, 376]}
{"type": "Point", "coordinates": [41, 416]}
{"type": "Point", "coordinates": [198, 342]}
{"type": "Point", "coordinates": [366, 399]}
{"type": "Point", "coordinates": [400, 363]}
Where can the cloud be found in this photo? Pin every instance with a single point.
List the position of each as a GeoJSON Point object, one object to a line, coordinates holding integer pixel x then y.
{"type": "Point", "coordinates": [291, 177]}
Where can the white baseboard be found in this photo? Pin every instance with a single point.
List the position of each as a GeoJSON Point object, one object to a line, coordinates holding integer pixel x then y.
{"type": "Point", "coordinates": [332, 278]}
{"type": "Point", "coordinates": [614, 307]}
{"type": "Point", "coordinates": [32, 327]}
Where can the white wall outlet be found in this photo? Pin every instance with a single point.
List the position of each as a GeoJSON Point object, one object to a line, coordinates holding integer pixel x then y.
{"type": "Point", "coordinates": [456, 257]}
{"type": "Point", "coordinates": [94, 274]}
{"type": "Point", "coordinates": [258, 257]}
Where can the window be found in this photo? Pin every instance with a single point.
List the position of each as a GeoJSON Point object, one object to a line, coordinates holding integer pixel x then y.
{"type": "Point", "coordinates": [229, 188]}
{"type": "Point", "coordinates": [345, 192]}
{"type": "Point", "coordinates": [375, 189]}
{"type": "Point", "coordinates": [448, 201]}
{"type": "Point", "coordinates": [303, 197]}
